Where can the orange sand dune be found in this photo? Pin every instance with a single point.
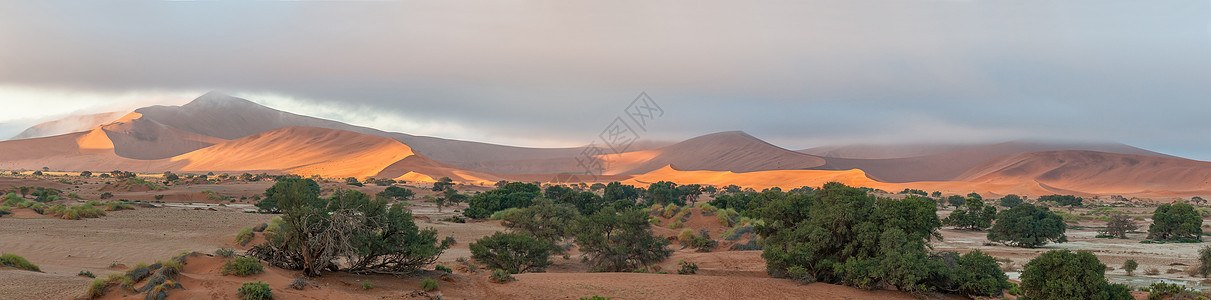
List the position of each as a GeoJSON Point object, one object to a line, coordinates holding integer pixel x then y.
{"type": "Point", "coordinates": [91, 150]}
{"type": "Point", "coordinates": [948, 165]}
{"type": "Point", "coordinates": [789, 179]}
{"type": "Point", "coordinates": [725, 151]}
{"type": "Point", "coordinates": [1098, 173]}
{"type": "Point", "coordinates": [300, 150]}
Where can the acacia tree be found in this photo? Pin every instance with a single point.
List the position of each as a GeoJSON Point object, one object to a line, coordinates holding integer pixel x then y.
{"type": "Point", "coordinates": [545, 221]}
{"type": "Point", "coordinates": [1028, 226]}
{"type": "Point", "coordinates": [449, 197]}
{"type": "Point", "coordinates": [1011, 200]}
{"type": "Point", "coordinates": [663, 193]}
{"type": "Point", "coordinates": [1176, 221]}
{"type": "Point", "coordinates": [619, 241]}
{"type": "Point", "coordinates": [842, 235]}
{"type": "Point", "coordinates": [348, 232]}
{"type": "Point", "coordinates": [1118, 226]}
{"type": "Point", "coordinates": [442, 184]}
{"type": "Point", "coordinates": [512, 252]}
{"type": "Point", "coordinates": [973, 215]}
{"type": "Point", "coordinates": [396, 193]}
{"type": "Point", "coordinates": [1062, 274]}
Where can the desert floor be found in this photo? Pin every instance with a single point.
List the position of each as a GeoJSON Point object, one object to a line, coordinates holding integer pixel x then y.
{"type": "Point", "coordinates": [193, 221]}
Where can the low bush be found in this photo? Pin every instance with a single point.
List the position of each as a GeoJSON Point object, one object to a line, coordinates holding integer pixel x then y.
{"type": "Point", "coordinates": [501, 276]}
{"type": "Point", "coordinates": [686, 236]}
{"type": "Point", "coordinates": [255, 291]}
{"type": "Point", "coordinates": [242, 266]}
{"type": "Point", "coordinates": [501, 214]}
{"type": "Point", "coordinates": [366, 285]}
{"type": "Point", "coordinates": [670, 210]}
{"type": "Point", "coordinates": [88, 274]}
{"type": "Point", "coordinates": [16, 261]}
{"type": "Point", "coordinates": [97, 288]}
{"type": "Point", "coordinates": [224, 252]}
{"type": "Point", "coordinates": [687, 268]}
{"type": "Point", "coordinates": [428, 285]}
{"type": "Point", "coordinates": [301, 283]}
{"type": "Point", "coordinates": [260, 227]}
{"type": "Point", "coordinates": [1152, 271]}
{"type": "Point", "coordinates": [443, 269]}
{"type": "Point", "coordinates": [1161, 290]}
{"type": "Point", "coordinates": [595, 297]}
{"type": "Point", "coordinates": [244, 236]}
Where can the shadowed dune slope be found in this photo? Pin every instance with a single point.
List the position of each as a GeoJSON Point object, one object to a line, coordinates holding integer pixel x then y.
{"type": "Point", "coordinates": [300, 150]}
{"type": "Point", "coordinates": [89, 150]}
{"type": "Point", "coordinates": [1097, 172]}
{"type": "Point", "coordinates": [139, 138]}
{"type": "Point", "coordinates": [949, 165]}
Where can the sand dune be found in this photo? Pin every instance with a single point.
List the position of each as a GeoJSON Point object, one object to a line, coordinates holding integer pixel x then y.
{"type": "Point", "coordinates": [227, 117]}
{"type": "Point", "coordinates": [725, 151]}
{"type": "Point", "coordinates": [91, 150]}
{"type": "Point", "coordinates": [69, 124]}
{"type": "Point", "coordinates": [1094, 172]}
{"type": "Point", "coordinates": [139, 138]}
{"type": "Point", "coordinates": [948, 165]}
{"type": "Point", "coordinates": [300, 150]}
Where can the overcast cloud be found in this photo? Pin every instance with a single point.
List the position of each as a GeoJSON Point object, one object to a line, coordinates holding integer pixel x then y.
{"type": "Point", "coordinates": [554, 73]}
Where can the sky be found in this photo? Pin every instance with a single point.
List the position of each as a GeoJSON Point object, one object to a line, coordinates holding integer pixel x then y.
{"type": "Point", "coordinates": [556, 73]}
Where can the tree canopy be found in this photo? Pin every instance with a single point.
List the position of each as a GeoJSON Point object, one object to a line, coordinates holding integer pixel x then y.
{"type": "Point", "coordinates": [1029, 226]}
{"type": "Point", "coordinates": [1177, 221]}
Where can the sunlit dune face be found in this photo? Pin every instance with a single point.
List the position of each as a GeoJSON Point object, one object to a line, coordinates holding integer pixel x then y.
{"type": "Point", "coordinates": [95, 139]}
{"type": "Point", "coordinates": [415, 177]}
{"type": "Point", "coordinates": [301, 150]}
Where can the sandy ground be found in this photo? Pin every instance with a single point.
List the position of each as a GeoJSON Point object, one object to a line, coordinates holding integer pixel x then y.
{"type": "Point", "coordinates": [124, 238]}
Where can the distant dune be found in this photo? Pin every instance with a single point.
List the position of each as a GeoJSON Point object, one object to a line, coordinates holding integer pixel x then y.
{"type": "Point", "coordinates": [1094, 172]}
{"type": "Point", "coordinates": [949, 165]}
{"type": "Point", "coordinates": [224, 134]}
{"type": "Point", "coordinates": [69, 124]}
{"type": "Point", "coordinates": [725, 151]}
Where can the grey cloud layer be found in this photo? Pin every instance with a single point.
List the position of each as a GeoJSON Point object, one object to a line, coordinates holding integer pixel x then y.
{"type": "Point", "coordinates": [798, 73]}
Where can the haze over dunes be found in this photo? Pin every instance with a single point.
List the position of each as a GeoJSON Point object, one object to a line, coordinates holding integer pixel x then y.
{"type": "Point", "coordinates": [219, 133]}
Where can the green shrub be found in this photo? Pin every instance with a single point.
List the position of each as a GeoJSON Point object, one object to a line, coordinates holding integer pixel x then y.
{"type": "Point", "coordinates": [97, 288]}
{"type": "Point", "coordinates": [501, 214]}
{"type": "Point", "coordinates": [117, 205]}
{"type": "Point", "coordinates": [670, 210]}
{"type": "Point", "coordinates": [513, 252]}
{"type": "Point", "coordinates": [501, 276]}
{"type": "Point", "coordinates": [1130, 266]}
{"type": "Point", "coordinates": [1204, 261]}
{"type": "Point", "coordinates": [443, 269]}
{"type": "Point", "coordinates": [242, 266]}
{"type": "Point", "coordinates": [366, 285]}
{"type": "Point", "coordinates": [255, 291]}
{"type": "Point", "coordinates": [244, 236]}
{"type": "Point", "coordinates": [687, 268]}
{"type": "Point", "coordinates": [428, 285]}
{"type": "Point", "coordinates": [88, 274]}
{"type": "Point", "coordinates": [1161, 290]}
{"type": "Point", "coordinates": [16, 261]}
{"type": "Point", "coordinates": [1029, 226]}
{"type": "Point", "coordinates": [224, 252]}
{"type": "Point", "coordinates": [594, 297]}
{"type": "Point", "coordinates": [1062, 274]}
